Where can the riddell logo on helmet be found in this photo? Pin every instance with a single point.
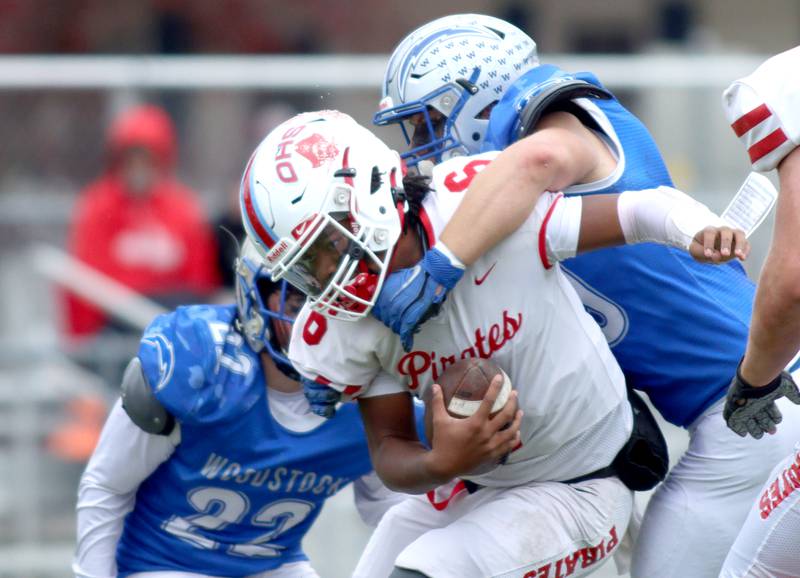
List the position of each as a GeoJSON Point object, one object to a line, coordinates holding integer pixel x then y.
{"type": "Point", "coordinates": [317, 149]}
{"type": "Point", "coordinates": [277, 251]}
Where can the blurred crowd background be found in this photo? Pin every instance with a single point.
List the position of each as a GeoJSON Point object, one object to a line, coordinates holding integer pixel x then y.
{"type": "Point", "coordinates": [114, 174]}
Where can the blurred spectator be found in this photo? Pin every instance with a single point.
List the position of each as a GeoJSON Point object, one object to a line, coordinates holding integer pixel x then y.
{"type": "Point", "coordinates": [139, 225]}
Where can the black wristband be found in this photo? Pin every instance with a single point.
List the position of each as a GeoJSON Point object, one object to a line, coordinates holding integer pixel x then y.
{"type": "Point", "coordinates": [751, 392]}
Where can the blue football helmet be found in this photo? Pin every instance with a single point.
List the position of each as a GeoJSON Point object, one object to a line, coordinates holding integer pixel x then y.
{"type": "Point", "coordinates": [443, 78]}
{"type": "Point", "coordinates": [266, 309]}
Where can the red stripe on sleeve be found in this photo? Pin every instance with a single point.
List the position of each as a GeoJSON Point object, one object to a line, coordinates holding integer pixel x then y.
{"type": "Point", "coordinates": [543, 233]}
{"type": "Point", "coordinates": [767, 144]}
{"type": "Point", "coordinates": [747, 121]}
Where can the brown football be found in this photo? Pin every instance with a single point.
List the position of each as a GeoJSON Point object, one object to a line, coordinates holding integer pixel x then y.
{"type": "Point", "coordinates": [464, 385]}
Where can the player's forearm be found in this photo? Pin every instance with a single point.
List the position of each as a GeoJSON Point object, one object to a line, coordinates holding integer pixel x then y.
{"type": "Point", "coordinates": [660, 215]}
{"type": "Point", "coordinates": [373, 498]}
{"type": "Point", "coordinates": [663, 215]}
{"type": "Point", "coordinates": [124, 457]}
{"type": "Point", "coordinates": [774, 335]}
{"type": "Point", "coordinates": [100, 517]}
{"type": "Point", "coordinates": [774, 339]}
{"type": "Point", "coordinates": [406, 466]}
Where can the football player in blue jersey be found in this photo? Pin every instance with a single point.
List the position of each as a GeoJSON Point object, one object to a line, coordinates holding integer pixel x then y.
{"type": "Point", "coordinates": [211, 464]}
{"type": "Point", "coordinates": [470, 83]}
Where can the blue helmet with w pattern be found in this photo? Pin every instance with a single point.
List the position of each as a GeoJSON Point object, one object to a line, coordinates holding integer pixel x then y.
{"type": "Point", "coordinates": [443, 78]}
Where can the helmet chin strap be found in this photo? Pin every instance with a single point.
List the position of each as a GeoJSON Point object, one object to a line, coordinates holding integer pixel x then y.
{"type": "Point", "coordinates": [285, 368]}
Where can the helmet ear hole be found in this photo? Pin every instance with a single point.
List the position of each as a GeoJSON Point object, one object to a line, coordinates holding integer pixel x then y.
{"type": "Point", "coordinates": [377, 180]}
{"type": "Point", "coordinates": [486, 111]}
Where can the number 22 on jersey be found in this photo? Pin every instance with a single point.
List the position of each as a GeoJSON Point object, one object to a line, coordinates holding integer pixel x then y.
{"type": "Point", "coordinates": [218, 507]}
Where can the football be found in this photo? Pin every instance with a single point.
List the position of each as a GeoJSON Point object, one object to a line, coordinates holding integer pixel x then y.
{"type": "Point", "coordinates": [464, 385]}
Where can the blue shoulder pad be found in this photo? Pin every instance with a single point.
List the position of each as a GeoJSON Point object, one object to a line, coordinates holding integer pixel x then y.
{"type": "Point", "coordinates": [198, 365]}
{"type": "Point", "coordinates": [529, 96]}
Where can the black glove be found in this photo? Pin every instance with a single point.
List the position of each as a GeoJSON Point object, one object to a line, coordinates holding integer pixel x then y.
{"type": "Point", "coordinates": [753, 410]}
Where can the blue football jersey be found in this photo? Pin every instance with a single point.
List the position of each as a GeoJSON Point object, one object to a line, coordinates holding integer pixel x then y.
{"type": "Point", "coordinates": [676, 327]}
{"type": "Point", "coordinates": [240, 491]}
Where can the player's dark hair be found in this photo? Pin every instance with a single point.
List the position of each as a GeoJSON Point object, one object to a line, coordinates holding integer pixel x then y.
{"type": "Point", "coordinates": [415, 187]}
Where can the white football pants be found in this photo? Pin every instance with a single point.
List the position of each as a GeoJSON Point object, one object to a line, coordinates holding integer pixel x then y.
{"type": "Point", "coordinates": [694, 516]}
{"type": "Point", "coordinates": [539, 530]}
{"type": "Point", "coordinates": [768, 545]}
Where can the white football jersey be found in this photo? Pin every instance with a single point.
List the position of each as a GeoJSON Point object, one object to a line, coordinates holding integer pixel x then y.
{"type": "Point", "coordinates": [515, 306]}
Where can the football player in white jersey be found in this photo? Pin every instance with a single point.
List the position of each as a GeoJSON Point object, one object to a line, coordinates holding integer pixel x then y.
{"type": "Point", "coordinates": [677, 328]}
{"type": "Point", "coordinates": [764, 112]}
{"type": "Point", "coordinates": [326, 202]}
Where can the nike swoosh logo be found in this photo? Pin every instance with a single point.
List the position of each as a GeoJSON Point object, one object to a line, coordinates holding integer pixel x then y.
{"type": "Point", "coordinates": [480, 280]}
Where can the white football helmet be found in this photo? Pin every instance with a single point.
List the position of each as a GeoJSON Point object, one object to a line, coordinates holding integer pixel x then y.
{"type": "Point", "coordinates": [458, 66]}
{"type": "Point", "coordinates": [319, 200]}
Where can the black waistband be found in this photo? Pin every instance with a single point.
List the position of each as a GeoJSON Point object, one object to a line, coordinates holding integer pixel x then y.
{"type": "Point", "coordinates": [605, 472]}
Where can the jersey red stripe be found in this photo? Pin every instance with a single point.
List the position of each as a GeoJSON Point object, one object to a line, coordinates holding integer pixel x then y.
{"type": "Point", "coordinates": [767, 144]}
{"type": "Point", "coordinates": [751, 119]}
{"type": "Point", "coordinates": [439, 506]}
{"type": "Point", "coordinates": [543, 233]}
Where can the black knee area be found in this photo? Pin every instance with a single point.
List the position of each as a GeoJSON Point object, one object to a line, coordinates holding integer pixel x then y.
{"type": "Point", "coordinates": [403, 573]}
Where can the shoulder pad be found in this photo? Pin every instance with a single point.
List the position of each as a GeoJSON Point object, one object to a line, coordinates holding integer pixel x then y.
{"type": "Point", "coordinates": [198, 366]}
{"type": "Point", "coordinates": [530, 96]}
{"type": "Point", "coordinates": [141, 404]}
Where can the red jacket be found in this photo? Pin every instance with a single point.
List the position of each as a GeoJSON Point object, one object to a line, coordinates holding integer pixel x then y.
{"type": "Point", "coordinates": [156, 244]}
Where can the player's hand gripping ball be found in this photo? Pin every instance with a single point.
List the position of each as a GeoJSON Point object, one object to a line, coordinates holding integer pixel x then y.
{"type": "Point", "coordinates": [464, 386]}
